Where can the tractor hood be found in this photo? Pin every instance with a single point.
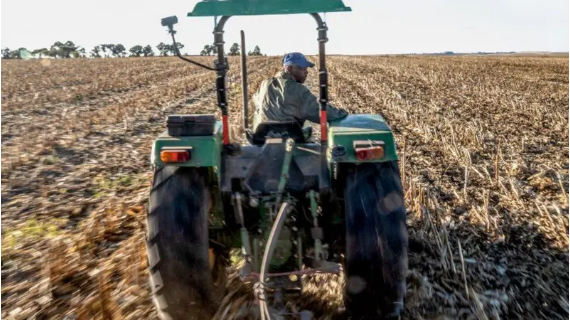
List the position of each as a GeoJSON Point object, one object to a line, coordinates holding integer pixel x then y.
{"type": "Point", "coordinates": [265, 7]}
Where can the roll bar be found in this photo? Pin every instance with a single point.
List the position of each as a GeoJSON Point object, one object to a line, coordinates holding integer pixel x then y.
{"type": "Point", "coordinates": [221, 68]}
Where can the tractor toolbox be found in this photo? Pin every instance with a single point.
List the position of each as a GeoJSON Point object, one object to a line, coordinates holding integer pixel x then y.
{"type": "Point", "coordinates": [190, 125]}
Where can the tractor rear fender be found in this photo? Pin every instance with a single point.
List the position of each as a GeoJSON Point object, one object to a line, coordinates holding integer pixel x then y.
{"type": "Point", "coordinates": [361, 128]}
{"type": "Point", "coordinates": [205, 151]}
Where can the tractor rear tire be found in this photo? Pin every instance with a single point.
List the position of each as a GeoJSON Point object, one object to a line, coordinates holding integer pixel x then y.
{"type": "Point", "coordinates": [177, 244]}
{"type": "Point", "coordinates": [376, 241]}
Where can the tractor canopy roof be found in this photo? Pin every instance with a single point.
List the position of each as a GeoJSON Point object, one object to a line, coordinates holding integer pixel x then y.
{"type": "Point", "coordinates": [265, 7]}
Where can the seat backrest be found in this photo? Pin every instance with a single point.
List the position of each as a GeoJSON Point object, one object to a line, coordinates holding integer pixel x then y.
{"type": "Point", "coordinates": [277, 129]}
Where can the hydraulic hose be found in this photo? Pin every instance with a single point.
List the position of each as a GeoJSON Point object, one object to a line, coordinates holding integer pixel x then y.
{"type": "Point", "coordinates": [177, 52]}
{"type": "Point", "coordinates": [286, 207]}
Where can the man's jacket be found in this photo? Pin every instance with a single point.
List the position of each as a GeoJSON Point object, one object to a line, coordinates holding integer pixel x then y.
{"type": "Point", "coordinates": [282, 98]}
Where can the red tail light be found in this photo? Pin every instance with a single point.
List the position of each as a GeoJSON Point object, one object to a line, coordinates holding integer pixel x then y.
{"type": "Point", "coordinates": [369, 150]}
{"type": "Point", "coordinates": [175, 155]}
{"type": "Point", "coordinates": [373, 153]}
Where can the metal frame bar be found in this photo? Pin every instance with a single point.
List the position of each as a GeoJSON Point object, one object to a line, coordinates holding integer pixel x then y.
{"type": "Point", "coordinates": [221, 78]}
{"type": "Point", "coordinates": [323, 75]}
{"type": "Point", "coordinates": [244, 90]}
{"type": "Point", "coordinates": [222, 71]}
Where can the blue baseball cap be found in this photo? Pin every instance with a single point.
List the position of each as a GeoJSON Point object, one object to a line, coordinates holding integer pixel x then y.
{"type": "Point", "coordinates": [298, 59]}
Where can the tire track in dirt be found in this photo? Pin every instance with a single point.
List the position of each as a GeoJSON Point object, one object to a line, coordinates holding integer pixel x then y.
{"type": "Point", "coordinates": [95, 77]}
{"type": "Point", "coordinates": [80, 148]}
{"type": "Point", "coordinates": [82, 120]}
{"type": "Point", "coordinates": [123, 154]}
{"type": "Point", "coordinates": [98, 189]}
{"type": "Point", "coordinates": [112, 158]}
{"type": "Point", "coordinates": [408, 113]}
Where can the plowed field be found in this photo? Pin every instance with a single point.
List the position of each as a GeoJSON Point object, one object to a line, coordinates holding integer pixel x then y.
{"type": "Point", "coordinates": [483, 145]}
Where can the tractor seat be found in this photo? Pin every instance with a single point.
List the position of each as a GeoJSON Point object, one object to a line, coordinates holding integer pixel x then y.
{"type": "Point", "coordinates": [277, 129]}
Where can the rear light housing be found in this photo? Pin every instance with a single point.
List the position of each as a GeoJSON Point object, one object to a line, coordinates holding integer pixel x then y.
{"type": "Point", "coordinates": [368, 150]}
{"type": "Point", "coordinates": [175, 155]}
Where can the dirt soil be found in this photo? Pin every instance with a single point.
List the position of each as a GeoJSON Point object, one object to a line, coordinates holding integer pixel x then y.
{"type": "Point", "coordinates": [483, 145]}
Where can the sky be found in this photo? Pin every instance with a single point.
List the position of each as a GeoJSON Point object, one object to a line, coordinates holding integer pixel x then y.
{"type": "Point", "coordinates": [373, 26]}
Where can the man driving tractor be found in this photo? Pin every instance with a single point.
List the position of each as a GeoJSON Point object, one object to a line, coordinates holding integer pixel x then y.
{"type": "Point", "coordinates": [207, 189]}
{"type": "Point", "coordinates": [285, 98]}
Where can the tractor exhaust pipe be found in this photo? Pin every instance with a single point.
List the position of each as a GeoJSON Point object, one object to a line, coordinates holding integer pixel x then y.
{"type": "Point", "coordinates": [244, 80]}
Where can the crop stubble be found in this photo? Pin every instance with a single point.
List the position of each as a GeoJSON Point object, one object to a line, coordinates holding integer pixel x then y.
{"type": "Point", "coordinates": [483, 148]}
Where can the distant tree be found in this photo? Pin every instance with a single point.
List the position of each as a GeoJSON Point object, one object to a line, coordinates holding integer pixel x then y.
{"type": "Point", "coordinates": [6, 53]}
{"type": "Point", "coordinates": [256, 52]}
{"type": "Point", "coordinates": [234, 50]}
{"type": "Point", "coordinates": [118, 50]}
{"type": "Point", "coordinates": [95, 52]}
{"type": "Point", "coordinates": [136, 51]}
{"type": "Point", "coordinates": [163, 49]}
{"type": "Point", "coordinates": [209, 50]}
{"type": "Point", "coordinates": [206, 51]}
{"type": "Point", "coordinates": [55, 49]}
{"type": "Point", "coordinates": [147, 51]}
{"type": "Point", "coordinates": [104, 49]}
{"type": "Point", "coordinates": [52, 53]}
{"type": "Point", "coordinates": [70, 44]}
{"type": "Point", "coordinates": [111, 48]}
{"type": "Point", "coordinates": [69, 48]}
{"type": "Point", "coordinates": [63, 50]}
{"type": "Point", "coordinates": [40, 52]}
{"type": "Point", "coordinates": [172, 49]}
{"type": "Point", "coordinates": [82, 52]}
{"type": "Point", "coordinates": [78, 53]}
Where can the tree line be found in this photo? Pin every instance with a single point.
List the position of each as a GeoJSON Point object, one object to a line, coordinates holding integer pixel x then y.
{"type": "Point", "coordinates": [69, 49]}
{"type": "Point", "coordinates": [234, 50]}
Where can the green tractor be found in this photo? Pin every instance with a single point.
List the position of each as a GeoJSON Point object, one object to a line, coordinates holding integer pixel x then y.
{"type": "Point", "coordinates": [291, 206]}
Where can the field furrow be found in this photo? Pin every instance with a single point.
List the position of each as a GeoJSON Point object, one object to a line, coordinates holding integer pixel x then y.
{"type": "Point", "coordinates": [483, 146]}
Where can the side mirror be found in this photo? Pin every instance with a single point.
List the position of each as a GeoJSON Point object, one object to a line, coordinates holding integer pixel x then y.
{"type": "Point", "coordinates": [169, 21]}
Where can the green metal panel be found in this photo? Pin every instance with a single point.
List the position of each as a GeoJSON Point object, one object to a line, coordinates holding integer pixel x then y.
{"type": "Point", "coordinates": [362, 127]}
{"type": "Point", "coordinates": [206, 150]}
{"type": "Point", "coordinates": [265, 7]}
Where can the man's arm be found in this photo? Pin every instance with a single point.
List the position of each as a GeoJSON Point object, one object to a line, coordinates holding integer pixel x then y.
{"type": "Point", "coordinates": [311, 105]}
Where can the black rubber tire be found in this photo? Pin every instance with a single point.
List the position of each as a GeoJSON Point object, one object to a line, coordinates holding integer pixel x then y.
{"type": "Point", "coordinates": [376, 259]}
{"type": "Point", "coordinates": [177, 244]}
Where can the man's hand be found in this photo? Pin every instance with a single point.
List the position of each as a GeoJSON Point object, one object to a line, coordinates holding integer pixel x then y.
{"type": "Point", "coordinates": [335, 113]}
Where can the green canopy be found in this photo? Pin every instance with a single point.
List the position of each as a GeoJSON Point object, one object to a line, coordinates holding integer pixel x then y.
{"type": "Point", "coordinates": [265, 7]}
